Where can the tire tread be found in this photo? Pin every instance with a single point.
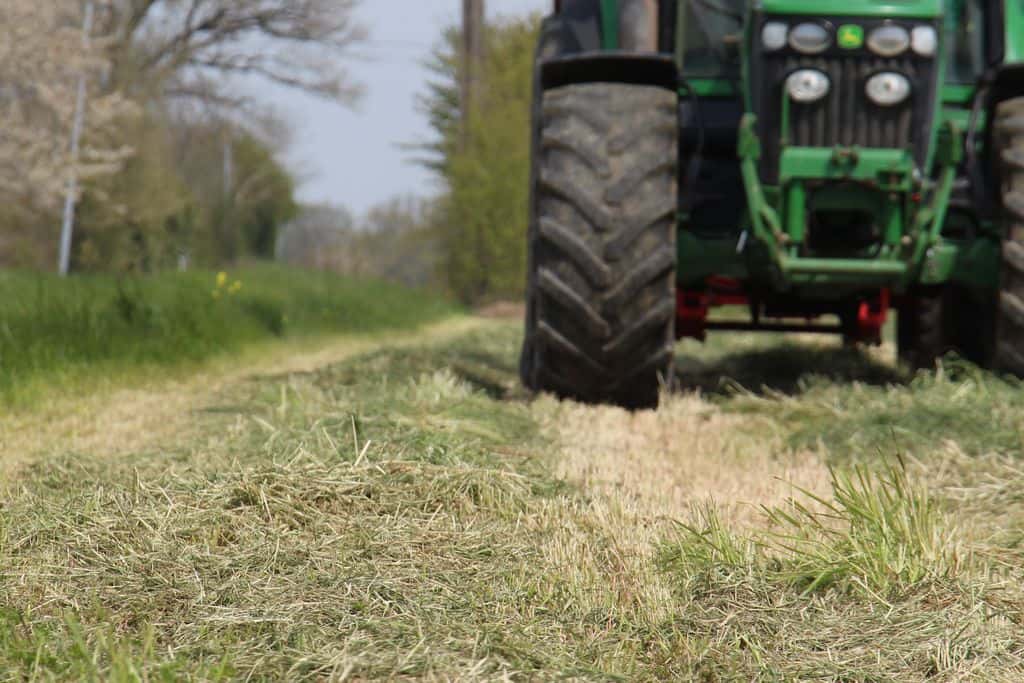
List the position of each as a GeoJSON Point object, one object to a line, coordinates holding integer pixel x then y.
{"type": "Point", "coordinates": [603, 243]}
{"type": "Point", "coordinates": [1009, 324]}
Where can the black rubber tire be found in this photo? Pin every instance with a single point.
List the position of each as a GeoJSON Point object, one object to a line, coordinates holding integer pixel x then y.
{"type": "Point", "coordinates": [924, 328]}
{"type": "Point", "coordinates": [601, 327]}
{"type": "Point", "coordinates": [973, 322]}
{"type": "Point", "coordinates": [556, 39]}
{"type": "Point", "coordinates": [1008, 138]}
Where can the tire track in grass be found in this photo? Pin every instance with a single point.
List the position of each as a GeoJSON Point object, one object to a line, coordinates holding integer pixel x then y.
{"type": "Point", "coordinates": [727, 587]}
{"type": "Point", "coordinates": [667, 464]}
{"type": "Point", "coordinates": [642, 473]}
{"type": "Point", "coordinates": [122, 419]}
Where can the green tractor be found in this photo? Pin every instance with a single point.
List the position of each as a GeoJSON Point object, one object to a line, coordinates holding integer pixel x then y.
{"type": "Point", "coordinates": [817, 163]}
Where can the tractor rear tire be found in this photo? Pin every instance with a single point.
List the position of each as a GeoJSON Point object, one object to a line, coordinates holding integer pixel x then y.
{"type": "Point", "coordinates": [601, 286]}
{"type": "Point", "coordinates": [924, 328]}
{"type": "Point", "coordinates": [1008, 136]}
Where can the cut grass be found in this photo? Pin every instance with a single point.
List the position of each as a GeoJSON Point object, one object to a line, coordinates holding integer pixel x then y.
{"type": "Point", "coordinates": [854, 404]}
{"type": "Point", "coordinates": [980, 413]}
{"type": "Point", "coordinates": [406, 515]}
{"type": "Point", "coordinates": [875, 583]}
{"type": "Point", "coordinates": [877, 536]}
{"type": "Point", "coordinates": [362, 504]}
{"type": "Point", "coordinates": [65, 334]}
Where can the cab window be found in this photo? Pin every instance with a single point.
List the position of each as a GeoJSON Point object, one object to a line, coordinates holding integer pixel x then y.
{"type": "Point", "coordinates": [965, 41]}
{"type": "Point", "coordinates": [710, 32]}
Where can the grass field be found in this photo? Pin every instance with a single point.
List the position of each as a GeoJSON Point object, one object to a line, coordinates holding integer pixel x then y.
{"type": "Point", "coordinates": [796, 512]}
{"type": "Point", "coordinates": [74, 332]}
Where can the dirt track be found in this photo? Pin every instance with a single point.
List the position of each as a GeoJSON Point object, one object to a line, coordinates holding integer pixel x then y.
{"type": "Point", "coordinates": [118, 420]}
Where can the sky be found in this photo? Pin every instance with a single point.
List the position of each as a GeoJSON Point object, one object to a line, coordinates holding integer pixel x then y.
{"type": "Point", "coordinates": [352, 157]}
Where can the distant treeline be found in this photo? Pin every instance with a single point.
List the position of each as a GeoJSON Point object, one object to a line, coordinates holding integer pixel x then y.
{"type": "Point", "coordinates": [180, 171]}
{"type": "Point", "coordinates": [177, 166]}
{"type": "Point", "coordinates": [470, 239]}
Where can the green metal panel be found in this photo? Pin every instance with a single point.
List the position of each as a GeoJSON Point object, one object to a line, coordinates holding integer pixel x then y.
{"type": "Point", "coordinates": [700, 258]}
{"type": "Point", "coordinates": [889, 169]}
{"type": "Point", "coordinates": [895, 8]}
{"type": "Point", "coordinates": [610, 24]}
{"type": "Point", "coordinates": [828, 266]}
{"type": "Point", "coordinates": [976, 264]}
{"type": "Point", "coordinates": [1014, 14]}
{"type": "Point", "coordinates": [939, 263]}
{"type": "Point", "coordinates": [708, 87]}
{"type": "Point", "coordinates": [957, 94]}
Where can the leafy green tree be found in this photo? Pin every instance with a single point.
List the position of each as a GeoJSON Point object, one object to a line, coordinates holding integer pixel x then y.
{"type": "Point", "coordinates": [165, 99]}
{"type": "Point", "coordinates": [262, 202]}
{"type": "Point", "coordinates": [483, 214]}
{"type": "Point", "coordinates": [132, 220]}
{"type": "Point", "coordinates": [175, 202]}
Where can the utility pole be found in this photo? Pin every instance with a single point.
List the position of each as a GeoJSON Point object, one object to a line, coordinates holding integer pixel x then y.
{"type": "Point", "coordinates": [228, 236]}
{"type": "Point", "coordinates": [472, 59]}
{"type": "Point", "coordinates": [473, 14]}
{"type": "Point", "coordinates": [229, 163]}
{"type": "Point", "coordinates": [68, 225]}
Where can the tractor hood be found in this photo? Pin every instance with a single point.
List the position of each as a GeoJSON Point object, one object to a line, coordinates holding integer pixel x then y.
{"type": "Point", "coordinates": [858, 8]}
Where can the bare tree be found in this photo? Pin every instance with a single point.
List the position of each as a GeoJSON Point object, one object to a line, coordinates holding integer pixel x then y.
{"type": "Point", "coordinates": [189, 47]}
{"type": "Point", "coordinates": [42, 58]}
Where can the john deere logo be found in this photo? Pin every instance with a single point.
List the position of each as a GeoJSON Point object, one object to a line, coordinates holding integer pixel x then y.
{"type": "Point", "coordinates": [850, 36]}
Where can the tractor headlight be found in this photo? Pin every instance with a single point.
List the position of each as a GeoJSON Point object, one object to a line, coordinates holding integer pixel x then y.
{"type": "Point", "coordinates": [889, 40]}
{"type": "Point", "coordinates": [887, 89]}
{"type": "Point", "coordinates": [924, 40]}
{"type": "Point", "coordinates": [773, 36]}
{"type": "Point", "coordinates": [807, 85]}
{"type": "Point", "coordinates": [810, 39]}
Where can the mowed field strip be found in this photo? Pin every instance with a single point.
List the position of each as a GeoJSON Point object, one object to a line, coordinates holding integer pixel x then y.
{"type": "Point", "coordinates": [118, 420]}
{"type": "Point", "coordinates": [399, 509]}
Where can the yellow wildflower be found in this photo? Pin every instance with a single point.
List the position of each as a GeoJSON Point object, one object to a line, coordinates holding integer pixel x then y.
{"type": "Point", "coordinates": [222, 279]}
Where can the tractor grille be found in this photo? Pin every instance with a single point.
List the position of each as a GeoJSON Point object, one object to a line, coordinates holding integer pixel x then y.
{"type": "Point", "coordinates": [845, 116]}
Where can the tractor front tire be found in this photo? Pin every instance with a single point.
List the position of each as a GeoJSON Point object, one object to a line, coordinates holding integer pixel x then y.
{"type": "Point", "coordinates": [601, 286]}
{"type": "Point", "coordinates": [1008, 137]}
{"type": "Point", "coordinates": [924, 329]}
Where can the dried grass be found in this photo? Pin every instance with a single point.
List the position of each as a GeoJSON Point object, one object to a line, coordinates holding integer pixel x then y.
{"type": "Point", "coordinates": [119, 420]}
{"type": "Point", "coordinates": [404, 515]}
{"type": "Point", "coordinates": [668, 463]}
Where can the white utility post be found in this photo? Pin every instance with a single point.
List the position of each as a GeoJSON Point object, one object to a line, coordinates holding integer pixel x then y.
{"type": "Point", "coordinates": [68, 224]}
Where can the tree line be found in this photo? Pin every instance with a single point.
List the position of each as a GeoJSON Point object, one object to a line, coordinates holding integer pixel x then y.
{"type": "Point", "coordinates": [470, 239]}
{"type": "Point", "coordinates": [180, 167]}
{"type": "Point", "coordinates": [178, 164]}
